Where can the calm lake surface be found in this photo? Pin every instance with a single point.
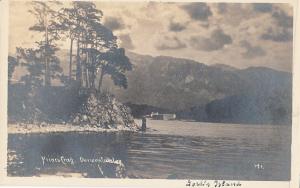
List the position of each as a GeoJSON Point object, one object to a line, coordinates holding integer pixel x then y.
{"type": "Point", "coordinates": [168, 150]}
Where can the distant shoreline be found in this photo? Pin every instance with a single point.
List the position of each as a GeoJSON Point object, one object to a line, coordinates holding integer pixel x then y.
{"type": "Point", "coordinates": [24, 128]}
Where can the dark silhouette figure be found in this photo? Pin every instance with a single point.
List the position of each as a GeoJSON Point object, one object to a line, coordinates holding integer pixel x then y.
{"type": "Point", "coordinates": [143, 124]}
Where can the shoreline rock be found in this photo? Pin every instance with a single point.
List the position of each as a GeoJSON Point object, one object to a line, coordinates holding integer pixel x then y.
{"type": "Point", "coordinates": [104, 111]}
{"type": "Point", "coordinates": [60, 128]}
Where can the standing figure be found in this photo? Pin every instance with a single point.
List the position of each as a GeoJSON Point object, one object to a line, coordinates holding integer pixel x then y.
{"type": "Point", "coordinates": [144, 124]}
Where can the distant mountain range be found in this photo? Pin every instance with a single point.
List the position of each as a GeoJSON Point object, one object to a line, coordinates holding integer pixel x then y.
{"type": "Point", "coordinates": [193, 90]}
{"type": "Point", "coordinates": [218, 93]}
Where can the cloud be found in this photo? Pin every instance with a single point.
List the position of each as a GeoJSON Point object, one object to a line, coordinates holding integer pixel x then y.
{"type": "Point", "coordinates": [251, 51]}
{"type": "Point", "coordinates": [278, 34]}
{"type": "Point", "coordinates": [176, 27]}
{"type": "Point", "coordinates": [282, 29]}
{"type": "Point", "coordinates": [263, 7]}
{"type": "Point", "coordinates": [126, 42]}
{"type": "Point", "coordinates": [114, 23]}
{"type": "Point", "coordinates": [217, 40]}
{"type": "Point", "coordinates": [198, 11]}
{"type": "Point", "coordinates": [171, 43]}
{"type": "Point", "coordinates": [233, 14]}
{"type": "Point", "coordinates": [148, 30]}
{"type": "Point", "coordinates": [282, 19]}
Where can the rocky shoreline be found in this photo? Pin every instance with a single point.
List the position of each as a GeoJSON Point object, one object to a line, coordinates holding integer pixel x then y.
{"type": "Point", "coordinates": [22, 128]}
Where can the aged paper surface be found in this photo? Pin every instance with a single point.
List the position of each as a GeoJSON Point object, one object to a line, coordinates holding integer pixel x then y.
{"type": "Point", "coordinates": [183, 94]}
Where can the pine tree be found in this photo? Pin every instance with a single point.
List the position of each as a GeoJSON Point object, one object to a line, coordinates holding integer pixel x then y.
{"type": "Point", "coordinates": [114, 63]}
{"type": "Point", "coordinates": [46, 24]}
{"type": "Point", "coordinates": [97, 50]}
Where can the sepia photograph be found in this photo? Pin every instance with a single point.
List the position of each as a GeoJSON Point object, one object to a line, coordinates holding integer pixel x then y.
{"type": "Point", "coordinates": [150, 90]}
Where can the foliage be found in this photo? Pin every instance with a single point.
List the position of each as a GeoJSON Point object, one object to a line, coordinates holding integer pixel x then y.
{"type": "Point", "coordinates": [115, 63]}
{"type": "Point", "coordinates": [97, 50]}
{"type": "Point", "coordinates": [12, 63]}
{"type": "Point", "coordinates": [47, 24]}
{"type": "Point", "coordinates": [97, 55]}
{"type": "Point", "coordinates": [32, 59]}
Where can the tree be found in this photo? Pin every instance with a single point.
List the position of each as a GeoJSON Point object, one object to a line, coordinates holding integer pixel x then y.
{"type": "Point", "coordinates": [68, 20]}
{"type": "Point", "coordinates": [101, 41]}
{"type": "Point", "coordinates": [79, 19]}
{"type": "Point", "coordinates": [47, 25]}
{"type": "Point", "coordinates": [32, 59]}
{"type": "Point", "coordinates": [103, 57]}
{"type": "Point", "coordinates": [114, 63]}
{"type": "Point", "coordinates": [12, 63]}
{"type": "Point", "coordinates": [97, 52]}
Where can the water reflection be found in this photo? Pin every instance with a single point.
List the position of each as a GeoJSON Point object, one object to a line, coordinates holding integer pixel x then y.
{"type": "Point", "coordinates": [147, 156]}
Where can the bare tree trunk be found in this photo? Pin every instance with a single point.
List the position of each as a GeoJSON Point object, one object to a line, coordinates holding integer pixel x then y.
{"type": "Point", "coordinates": [47, 75]}
{"type": "Point", "coordinates": [87, 70]}
{"type": "Point", "coordinates": [46, 70]}
{"type": "Point", "coordinates": [70, 63]}
{"type": "Point", "coordinates": [92, 72]}
{"type": "Point", "coordinates": [82, 63]}
{"type": "Point", "coordinates": [100, 80]}
{"type": "Point", "coordinates": [92, 79]}
{"type": "Point", "coordinates": [78, 65]}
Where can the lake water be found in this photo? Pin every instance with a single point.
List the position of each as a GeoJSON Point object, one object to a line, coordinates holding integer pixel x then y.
{"type": "Point", "coordinates": [167, 150]}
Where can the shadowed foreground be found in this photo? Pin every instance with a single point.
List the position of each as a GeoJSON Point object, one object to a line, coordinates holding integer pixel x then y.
{"type": "Point", "coordinates": [196, 153]}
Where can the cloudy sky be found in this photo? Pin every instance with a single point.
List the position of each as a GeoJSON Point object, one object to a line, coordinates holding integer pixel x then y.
{"type": "Point", "coordinates": [240, 35]}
